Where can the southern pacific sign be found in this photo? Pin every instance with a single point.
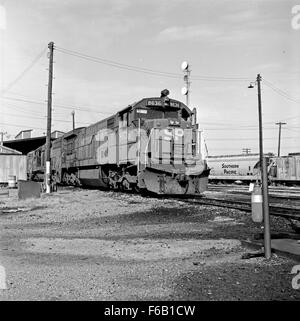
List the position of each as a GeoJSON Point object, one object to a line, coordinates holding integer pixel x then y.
{"type": "Point", "coordinates": [230, 169]}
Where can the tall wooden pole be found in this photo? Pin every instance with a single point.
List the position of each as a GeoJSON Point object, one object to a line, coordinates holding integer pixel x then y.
{"type": "Point", "coordinates": [264, 178]}
{"type": "Point", "coordinates": [49, 117]}
{"type": "Point", "coordinates": [73, 119]}
{"type": "Point", "coordinates": [279, 136]}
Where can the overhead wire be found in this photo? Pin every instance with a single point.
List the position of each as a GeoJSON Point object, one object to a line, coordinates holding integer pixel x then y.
{"type": "Point", "coordinates": [56, 105]}
{"type": "Point", "coordinates": [136, 69]}
{"type": "Point", "coordinates": [142, 69]}
{"type": "Point", "coordinates": [44, 117]}
{"type": "Point", "coordinates": [24, 72]}
{"type": "Point", "coordinates": [280, 91]}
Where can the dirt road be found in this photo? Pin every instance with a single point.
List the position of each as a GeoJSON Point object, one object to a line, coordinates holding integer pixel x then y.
{"type": "Point", "coordinates": [96, 245]}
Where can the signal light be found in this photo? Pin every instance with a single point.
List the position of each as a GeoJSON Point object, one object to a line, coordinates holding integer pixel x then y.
{"type": "Point", "coordinates": [184, 91]}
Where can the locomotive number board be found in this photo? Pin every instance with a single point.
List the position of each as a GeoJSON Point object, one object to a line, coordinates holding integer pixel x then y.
{"type": "Point", "coordinates": [159, 103]}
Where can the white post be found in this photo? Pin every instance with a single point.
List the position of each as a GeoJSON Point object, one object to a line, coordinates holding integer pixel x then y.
{"type": "Point", "coordinates": [3, 285]}
{"type": "Point", "coordinates": [139, 146]}
{"type": "Point", "coordinates": [48, 187]}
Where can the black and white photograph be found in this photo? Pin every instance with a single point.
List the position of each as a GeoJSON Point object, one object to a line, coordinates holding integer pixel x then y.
{"type": "Point", "coordinates": [150, 153]}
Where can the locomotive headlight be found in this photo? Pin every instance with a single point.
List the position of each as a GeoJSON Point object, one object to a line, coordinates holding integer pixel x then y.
{"type": "Point", "coordinates": [174, 122]}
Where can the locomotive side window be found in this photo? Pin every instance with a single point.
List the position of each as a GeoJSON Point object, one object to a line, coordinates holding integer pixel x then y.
{"type": "Point", "coordinates": [185, 114]}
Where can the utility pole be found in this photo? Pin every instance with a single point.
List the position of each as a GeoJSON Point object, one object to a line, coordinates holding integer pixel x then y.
{"type": "Point", "coordinates": [73, 119]}
{"type": "Point", "coordinates": [246, 150]}
{"type": "Point", "coordinates": [264, 177]}
{"type": "Point", "coordinates": [279, 137]}
{"type": "Point", "coordinates": [49, 116]}
{"type": "Point", "coordinates": [2, 134]}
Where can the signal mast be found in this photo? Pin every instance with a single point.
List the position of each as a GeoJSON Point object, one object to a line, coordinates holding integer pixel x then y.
{"type": "Point", "coordinates": [186, 89]}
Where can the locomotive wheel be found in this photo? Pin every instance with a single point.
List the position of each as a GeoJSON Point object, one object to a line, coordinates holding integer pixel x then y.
{"type": "Point", "coordinates": [65, 179]}
{"type": "Point", "coordinates": [135, 188]}
{"type": "Point", "coordinates": [125, 185]}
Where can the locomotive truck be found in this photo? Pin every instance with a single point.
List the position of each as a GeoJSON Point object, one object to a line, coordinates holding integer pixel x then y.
{"type": "Point", "coordinates": [152, 144]}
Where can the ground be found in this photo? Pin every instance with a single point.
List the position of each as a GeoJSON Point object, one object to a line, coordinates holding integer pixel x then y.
{"type": "Point", "coordinates": [81, 244]}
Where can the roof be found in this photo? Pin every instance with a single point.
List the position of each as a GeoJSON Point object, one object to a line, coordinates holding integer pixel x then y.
{"type": "Point", "coordinates": [57, 131]}
{"type": "Point", "coordinates": [24, 131]}
{"type": "Point", "coordinates": [241, 155]}
{"type": "Point", "coordinates": [25, 145]}
{"type": "Point", "coordinates": [7, 150]}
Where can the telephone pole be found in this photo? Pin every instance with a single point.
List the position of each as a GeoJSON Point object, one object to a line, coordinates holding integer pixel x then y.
{"type": "Point", "coordinates": [264, 177]}
{"type": "Point", "coordinates": [49, 116]}
{"type": "Point", "coordinates": [2, 135]}
{"type": "Point", "coordinates": [246, 150]}
{"type": "Point", "coordinates": [279, 137]}
{"type": "Point", "coordinates": [73, 119]}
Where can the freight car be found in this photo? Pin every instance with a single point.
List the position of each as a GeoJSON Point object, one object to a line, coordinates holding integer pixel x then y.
{"type": "Point", "coordinates": [285, 169]}
{"type": "Point", "coordinates": [233, 167]}
{"type": "Point", "coordinates": [153, 145]}
{"type": "Point", "coordinates": [246, 168]}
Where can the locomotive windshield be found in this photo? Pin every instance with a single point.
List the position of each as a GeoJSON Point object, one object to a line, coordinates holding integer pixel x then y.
{"type": "Point", "coordinates": [159, 108]}
{"type": "Point", "coordinates": [156, 114]}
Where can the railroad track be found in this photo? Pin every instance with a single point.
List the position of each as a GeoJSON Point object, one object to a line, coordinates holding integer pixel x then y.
{"type": "Point", "coordinates": [272, 189]}
{"type": "Point", "coordinates": [272, 195]}
{"type": "Point", "coordinates": [283, 211]}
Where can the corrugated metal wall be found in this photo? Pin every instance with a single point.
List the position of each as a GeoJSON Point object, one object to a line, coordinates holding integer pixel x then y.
{"type": "Point", "coordinates": [288, 168]}
{"type": "Point", "coordinates": [12, 165]}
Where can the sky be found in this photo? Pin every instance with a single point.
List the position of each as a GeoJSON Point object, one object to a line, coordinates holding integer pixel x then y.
{"type": "Point", "coordinates": [226, 43]}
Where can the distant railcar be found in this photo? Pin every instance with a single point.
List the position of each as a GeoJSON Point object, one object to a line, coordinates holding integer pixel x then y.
{"type": "Point", "coordinates": [234, 167]}
{"type": "Point", "coordinates": [153, 144]}
{"type": "Point", "coordinates": [246, 168]}
{"type": "Point", "coordinates": [285, 169]}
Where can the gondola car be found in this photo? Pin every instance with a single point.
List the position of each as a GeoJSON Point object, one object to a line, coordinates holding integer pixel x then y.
{"type": "Point", "coordinates": [153, 145]}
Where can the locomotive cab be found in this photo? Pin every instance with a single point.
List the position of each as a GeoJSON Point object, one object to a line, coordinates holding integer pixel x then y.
{"type": "Point", "coordinates": [168, 146]}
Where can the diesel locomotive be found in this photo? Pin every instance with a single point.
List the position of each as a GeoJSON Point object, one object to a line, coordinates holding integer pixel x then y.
{"type": "Point", "coordinates": [152, 145]}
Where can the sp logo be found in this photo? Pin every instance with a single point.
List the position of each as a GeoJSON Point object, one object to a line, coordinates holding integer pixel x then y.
{"type": "Point", "coordinates": [296, 279]}
{"type": "Point", "coordinates": [296, 19]}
